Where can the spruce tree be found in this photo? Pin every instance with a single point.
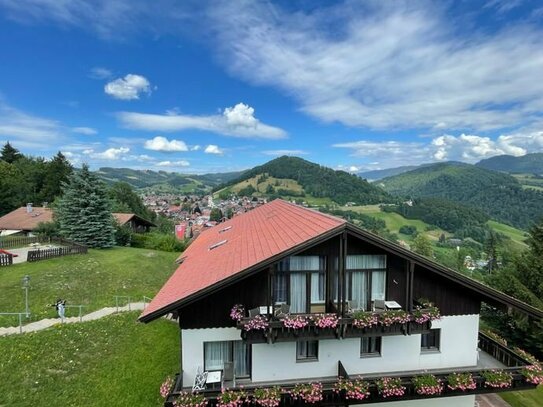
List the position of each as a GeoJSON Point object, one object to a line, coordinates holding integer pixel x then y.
{"type": "Point", "coordinates": [84, 212]}
{"type": "Point", "coordinates": [9, 153]}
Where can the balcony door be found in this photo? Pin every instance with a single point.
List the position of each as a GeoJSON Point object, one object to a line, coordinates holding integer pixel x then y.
{"type": "Point", "coordinates": [366, 279]}
{"type": "Point", "coordinates": [300, 282]}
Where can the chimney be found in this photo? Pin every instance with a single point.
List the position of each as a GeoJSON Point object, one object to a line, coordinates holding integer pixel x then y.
{"type": "Point", "coordinates": [29, 207]}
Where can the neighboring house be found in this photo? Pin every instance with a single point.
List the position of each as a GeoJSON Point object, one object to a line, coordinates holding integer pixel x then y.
{"type": "Point", "coordinates": [26, 220]}
{"type": "Point", "coordinates": [280, 259]}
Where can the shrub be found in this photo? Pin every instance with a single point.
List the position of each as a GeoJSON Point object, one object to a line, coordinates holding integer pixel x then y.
{"type": "Point", "coordinates": [461, 381]}
{"type": "Point", "coordinates": [353, 389]}
{"type": "Point", "coordinates": [390, 386]}
{"type": "Point", "coordinates": [408, 230]}
{"type": "Point", "coordinates": [497, 378]}
{"type": "Point", "coordinates": [268, 397]}
{"type": "Point", "coordinates": [309, 393]}
{"type": "Point", "coordinates": [229, 398]}
{"type": "Point", "coordinates": [158, 241]}
{"type": "Point", "coordinates": [427, 385]}
{"type": "Point", "coordinates": [533, 374]}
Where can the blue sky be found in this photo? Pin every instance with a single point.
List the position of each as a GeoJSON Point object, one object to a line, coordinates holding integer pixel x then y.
{"type": "Point", "coordinates": [220, 86]}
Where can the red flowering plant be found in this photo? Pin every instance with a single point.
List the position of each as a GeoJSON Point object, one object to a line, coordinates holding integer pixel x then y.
{"type": "Point", "coordinates": [268, 397]}
{"type": "Point", "coordinates": [363, 319]}
{"type": "Point", "coordinates": [229, 398]}
{"type": "Point", "coordinates": [237, 312]}
{"type": "Point", "coordinates": [533, 374]}
{"type": "Point", "coordinates": [497, 378]}
{"type": "Point", "coordinates": [166, 387]}
{"type": "Point", "coordinates": [186, 399]}
{"type": "Point", "coordinates": [325, 320]}
{"type": "Point", "coordinates": [353, 389]}
{"type": "Point", "coordinates": [461, 381]}
{"type": "Point", "coordinates": [258, 323]}
{"type": "Point", "coordinates": [310, 393]}
{"type": "Point", "coordinates": [295, 322]}
{"type": "Point", "coordinates": [388, 318]}
{"type": "Point", "coordinates": [427, 385]}
{"type": "Point", "coordinates": [390, 386]}
{"type": "Point", "coordinates": [421, 315]}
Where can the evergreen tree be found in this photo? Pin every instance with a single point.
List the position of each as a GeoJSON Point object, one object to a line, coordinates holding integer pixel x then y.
{"type": "Point", "coordinates": [126, 200]}
{"type": "Point", "coordinates": [9, 153]}
{"type": "Point", "coordinates": [215, 215]}
{"type": "Point", "coordinates": [84, 212]}
{"type": "Point", "coordinates": [57, 172]}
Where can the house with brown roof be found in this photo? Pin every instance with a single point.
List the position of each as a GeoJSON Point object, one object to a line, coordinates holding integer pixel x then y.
{"type": "Point", "coordinates": [285, 296]}
{"type": "Point", "coordinates": [27, 218]}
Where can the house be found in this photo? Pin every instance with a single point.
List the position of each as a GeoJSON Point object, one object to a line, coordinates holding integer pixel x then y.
{"type": "Point", "coordinates": [26, 220]}
{"type": "Point", "coordinates": [284, 295]}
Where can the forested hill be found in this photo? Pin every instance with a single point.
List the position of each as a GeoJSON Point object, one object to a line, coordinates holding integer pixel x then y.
{"type": "Point", "coordinates": [527, 164]}
{"type": "Point", "coordinates": [318, 181]}
{"type": "Point", "coordinates": [497, 194]}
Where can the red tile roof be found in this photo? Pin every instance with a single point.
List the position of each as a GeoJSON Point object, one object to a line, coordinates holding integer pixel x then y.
{"type": "Point", "coordinates": [250, 239]}
{"type": "Point", "coordinates": [20, 219]}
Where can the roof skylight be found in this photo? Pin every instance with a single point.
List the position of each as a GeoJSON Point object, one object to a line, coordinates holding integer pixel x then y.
{"type": "Point", "coordinates": [214, 246]}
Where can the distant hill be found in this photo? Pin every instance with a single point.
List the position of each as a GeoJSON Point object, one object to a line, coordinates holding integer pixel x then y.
{"type": "Point", "coordinates": [526, 164]}
{"type": "Point", "coordinates": [295, 177]}
{"type": "Point", "coordinates": [498, 195]}
{"type": "Point", "coordinates": [165, 181]}
{"type": "Point", "coordinates": [376, 175]}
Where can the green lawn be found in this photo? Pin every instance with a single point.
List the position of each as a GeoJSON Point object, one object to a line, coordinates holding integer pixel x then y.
{"type": "Point", "coordinates": [114, 361]}
{"type": "Point", "coordinates": [530, 398]}
{"type": "Point", "coordinates": [517, 236]}
{"type": "Point", "coordinates": [92, 280]}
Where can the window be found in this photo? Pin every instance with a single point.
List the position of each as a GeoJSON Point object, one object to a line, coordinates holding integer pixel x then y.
{"type": "Point", "coordinates": [300, 282]}
{"type": "Point", "coordinates": [370, 346]}
{"type": "Point", "coordinates": [430, 342]}
{"type": "Point", "coordinates": [216, 354]}
{"type": "Point", "coordinates": [307, 350]}
{"type": "Point", "coordinates": [366, 279]}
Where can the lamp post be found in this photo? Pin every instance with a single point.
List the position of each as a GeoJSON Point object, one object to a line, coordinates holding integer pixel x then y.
{"type": "Point", "coordinates": [26, 286]}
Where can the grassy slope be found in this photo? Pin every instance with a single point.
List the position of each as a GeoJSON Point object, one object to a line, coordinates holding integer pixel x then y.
{"type": "Point", "coordinates": [114, 361]}
{"type": "Point", "coordinates": [91, 280]}
{"type": "Point", "coordinates": [530, 398]}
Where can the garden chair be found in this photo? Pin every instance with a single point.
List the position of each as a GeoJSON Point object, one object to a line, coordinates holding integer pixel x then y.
{"type": "Point", "coordinates": [282, 311]}
{"type": "Point", "coordinates": [253, 312]}
{"type": "Point", "coordinates": [200, 381]}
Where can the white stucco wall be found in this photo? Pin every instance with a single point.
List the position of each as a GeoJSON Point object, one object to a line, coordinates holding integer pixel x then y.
{"type": "Point", "coordinates": [458, 348]}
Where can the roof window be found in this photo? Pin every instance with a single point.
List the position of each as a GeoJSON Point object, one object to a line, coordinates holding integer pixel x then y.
{"type": "Point", "coordinates": [214, 246]}
{"type": "Point", "coordinates": [225, 229]}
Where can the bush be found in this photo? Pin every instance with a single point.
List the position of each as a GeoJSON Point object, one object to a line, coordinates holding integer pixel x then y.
{"type": "Point", "coordinates": [47, 229]}
{"type": "Point", "coordinates": [158, 241]}
{"type": "Point", "coordinates": [123, 235]}
{"type": "Point", "coordinates": [408, 230]}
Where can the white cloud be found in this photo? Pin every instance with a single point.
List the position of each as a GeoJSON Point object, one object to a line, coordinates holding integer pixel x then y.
{"type": "Point", "coordinates": [196, 148]}
{"type": "Point", "coordinates": [160, 143]}
{"type": "Point", "coordinates": [87, 131]}
{"type": "Point", "coordinates": [213, 149]}
{"type": "Point", "coordinates": [100, 73]}
{"type": "Point", "coordinates": [386, 66]}
{"type": "Point", "coordinates": [109, 154]}
{"type": "Point", "coordinates": [181, 163]}
{"type": "Point", "coordinates": [284, 152]}
{"type": "Point", "coordinates": [236, 121]}
{"type": "Point", "coordinates": [128, 88]}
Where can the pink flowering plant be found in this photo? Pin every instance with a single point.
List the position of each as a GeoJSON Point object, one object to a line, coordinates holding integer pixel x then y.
{"type": "Point", "coordinates": [533, 374]}
{"type": "Point", "coordinates": [166, 387]}
{"type": "Point", "coordinates": [237, 312]}
{"type": "Point", "coordinates": [427, 385]}
{"type": "Point", "coordinates": [258, 323]}
{"type": "Point", "coordinates": [186, 399]}
{"type": "Point", "coordinates": [389, 318]}
{"type": "Point", "coordinates": [363, 319]}
{"type": "Point", "coordinates": [421, 315]}
{"type": "Point", "coordinates": [495, 337]}
{"type": "Point", "coordinates": [325, 320]}
{"type": "Point", "coordinates": [461, 381]}
{"type": "Point", "coordinates": [353, 389]}
{"type": "Point", "coordinates": [268, 397]}
{"type": "Point", "coordinates": [310, 393]}
{"type": "Point", "coordinates": [295, 322]}
{"type": "Point", "coordinates": [229, 398]}
{"type": "Point", "coordinates": [390, 386]}
{"type": "Point", "coordinates": [527, 356]}
{"type": "Point", "coordinates": [497, 378]}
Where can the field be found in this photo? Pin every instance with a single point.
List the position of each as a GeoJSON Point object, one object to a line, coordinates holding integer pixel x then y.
{"type": "Point", "coordinates": [529, 181]}
{"type": "Point", "coordinates": [517, 236]}
{"type": "Point", "coordinates": [91, 280]}
{"type": "Point", "coordinates": [114, 361]}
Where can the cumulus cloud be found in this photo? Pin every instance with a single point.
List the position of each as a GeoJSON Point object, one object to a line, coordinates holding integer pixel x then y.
{"type": "Point", "coordinates": [213, 149]}
{"type": "Point", "coordinates": [181, 163]}
{"type": "Point", "coordinates": [87, 131]}
{"type": "Point", "coordinates": [284, 152]}
{"type": "Point", "coordinates": [128, 88]}
{"type": "Point", "coordinates": [160, 143]}
{"type": "Point", "coordinates": [236, 121]}
{"type": "Point", "coordinates": [109, 154]}
{"type": "Point", "coordinates": [386, 66]}
{"type": "Point", "coordinates": [196, 148]}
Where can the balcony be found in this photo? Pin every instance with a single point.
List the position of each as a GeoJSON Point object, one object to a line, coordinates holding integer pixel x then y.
{"type": "Point", "coordinates": [265, 328]}
{"type": "Point", "coordinates": [493, 355]}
